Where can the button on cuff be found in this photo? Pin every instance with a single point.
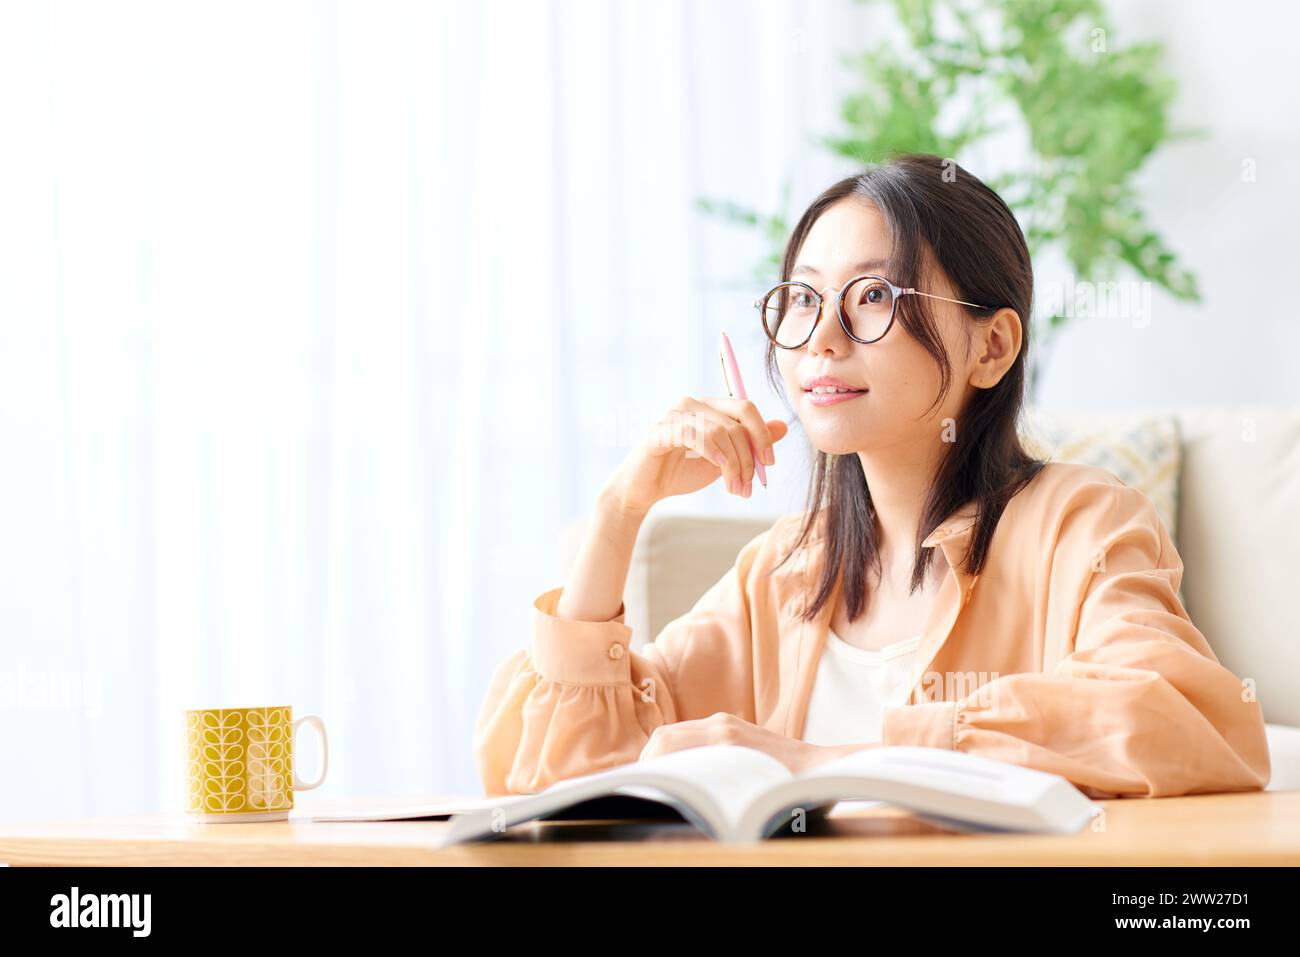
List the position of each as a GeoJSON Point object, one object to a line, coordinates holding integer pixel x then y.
{"type": "Point", "coordinates": [578, 652]}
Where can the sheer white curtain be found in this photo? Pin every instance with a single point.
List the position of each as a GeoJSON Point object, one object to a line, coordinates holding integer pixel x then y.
{"type": "Point", "coordinates": [318, 321]}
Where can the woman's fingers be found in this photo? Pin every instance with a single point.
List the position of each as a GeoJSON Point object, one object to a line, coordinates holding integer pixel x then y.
{"type": "Point", "coordinates": [723, 431]}
{"type": "Point", "coordinates": [738, 429]}
{"type": "Point", "coordinates": [719, 435]}
{"type": "Point", "coordinates": [752, 420]}
{"type": "Point", "coordinates": [703, 431]}
{"type": "Point", "coordinates": [709, 448]}
{"type": "Point", "coordinates": [731, 437]}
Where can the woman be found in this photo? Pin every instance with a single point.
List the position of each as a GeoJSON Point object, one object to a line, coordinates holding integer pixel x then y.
{"type": "Point", "coordinates": [942, 589]}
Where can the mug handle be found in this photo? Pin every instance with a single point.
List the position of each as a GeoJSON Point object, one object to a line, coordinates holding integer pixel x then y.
{"type": "Point", "coordinates": [298, 783]}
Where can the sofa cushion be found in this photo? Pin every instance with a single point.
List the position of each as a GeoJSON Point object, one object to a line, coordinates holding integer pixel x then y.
{"type": "Point", "coordinates": [1284, 756]}
{"type": "Point", "coordinates": [1141, 450]}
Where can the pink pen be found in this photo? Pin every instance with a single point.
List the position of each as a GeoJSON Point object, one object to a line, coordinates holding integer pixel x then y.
{"type": "Point", "coordinates": [731, 374]}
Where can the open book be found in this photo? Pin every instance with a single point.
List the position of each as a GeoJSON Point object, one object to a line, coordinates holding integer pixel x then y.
{"type": "Point", "coordinates": [741, 795]}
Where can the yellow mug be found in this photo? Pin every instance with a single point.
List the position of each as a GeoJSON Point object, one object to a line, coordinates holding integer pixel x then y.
{"type": "Point", "coordinates": [240, 762]}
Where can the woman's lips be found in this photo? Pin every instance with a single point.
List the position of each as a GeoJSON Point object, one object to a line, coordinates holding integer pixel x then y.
{"type": "Point", "coordinates": [832, 398]}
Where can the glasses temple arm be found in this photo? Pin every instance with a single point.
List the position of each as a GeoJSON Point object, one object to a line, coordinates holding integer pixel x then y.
{"type": "Point", "coordinates": [913, 292]}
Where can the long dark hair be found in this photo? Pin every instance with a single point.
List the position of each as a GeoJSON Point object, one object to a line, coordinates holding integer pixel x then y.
{"type": "Point", "coordinates": [932, 207]}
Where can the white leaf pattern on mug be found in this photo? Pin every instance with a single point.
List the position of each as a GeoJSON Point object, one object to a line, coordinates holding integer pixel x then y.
{"type": "Point", "coordinates": [239, 760]}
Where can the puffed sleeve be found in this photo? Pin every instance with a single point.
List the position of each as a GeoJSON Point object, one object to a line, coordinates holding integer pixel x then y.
{"type": "Point", "coordinates": [577, 699]}
{"type": "Point", "coordinates": [1135, 704]}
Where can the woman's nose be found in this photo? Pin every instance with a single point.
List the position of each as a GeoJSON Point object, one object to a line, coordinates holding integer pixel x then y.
{"type": "Point", "coordinates": [828, 334]}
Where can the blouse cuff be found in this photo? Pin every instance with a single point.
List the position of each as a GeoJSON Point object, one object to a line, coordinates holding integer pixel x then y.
{"type": "Point", "coordinates": [579, 652]}
{"type": "Point", "coordinates": [930, 724]}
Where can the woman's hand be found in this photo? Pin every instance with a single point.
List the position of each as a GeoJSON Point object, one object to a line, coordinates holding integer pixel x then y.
{"type": "Point", "coordinates": [696, 441]}
{"type": "Point", "coordinates": [724, 728]}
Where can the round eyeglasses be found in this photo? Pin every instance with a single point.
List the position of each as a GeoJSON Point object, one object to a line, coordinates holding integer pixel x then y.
{"type": "Point", "coordinates": [866, 306]}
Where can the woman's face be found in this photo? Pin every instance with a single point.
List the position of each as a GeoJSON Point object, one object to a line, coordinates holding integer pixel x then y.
{"type": "Point", "coordinates": [899, 377]}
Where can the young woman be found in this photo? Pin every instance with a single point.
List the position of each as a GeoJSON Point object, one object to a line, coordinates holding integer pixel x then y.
{"type": "Point", "coordinates": [942, 588]}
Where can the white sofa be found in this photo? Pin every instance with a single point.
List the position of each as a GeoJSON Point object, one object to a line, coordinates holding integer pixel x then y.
{"type": "Point", "coordinates": [1238, 513]}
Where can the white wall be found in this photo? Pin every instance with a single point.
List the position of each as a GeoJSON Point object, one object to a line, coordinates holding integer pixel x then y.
{"type": "Point", "coordinates": [1239, 77]}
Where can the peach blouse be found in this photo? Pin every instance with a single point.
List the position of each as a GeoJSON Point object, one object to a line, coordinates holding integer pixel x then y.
{"type": "Point", "coordinates": [1070, 652]}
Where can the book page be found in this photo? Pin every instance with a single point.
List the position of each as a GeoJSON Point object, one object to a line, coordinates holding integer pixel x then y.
{"type": "Point", "coordinates": [710, 786]}
{"type": "Point", "coordinates": [951, 771]}
{"type": "Point", "coordinates": [731, 777]}
{"type": "Point", "coordinates": [954, 788]}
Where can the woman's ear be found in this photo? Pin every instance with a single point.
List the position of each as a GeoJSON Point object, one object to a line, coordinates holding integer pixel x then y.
{"type": "Point", "coordinates": [999, 340]}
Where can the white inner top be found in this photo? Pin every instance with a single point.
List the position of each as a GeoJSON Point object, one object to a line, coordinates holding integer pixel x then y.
{"type": "Point", "coordinates": [851, 687]}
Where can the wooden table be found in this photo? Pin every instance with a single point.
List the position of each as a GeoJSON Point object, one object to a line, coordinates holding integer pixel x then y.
{"type": "Point", "coordinates": [1251, 828]}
